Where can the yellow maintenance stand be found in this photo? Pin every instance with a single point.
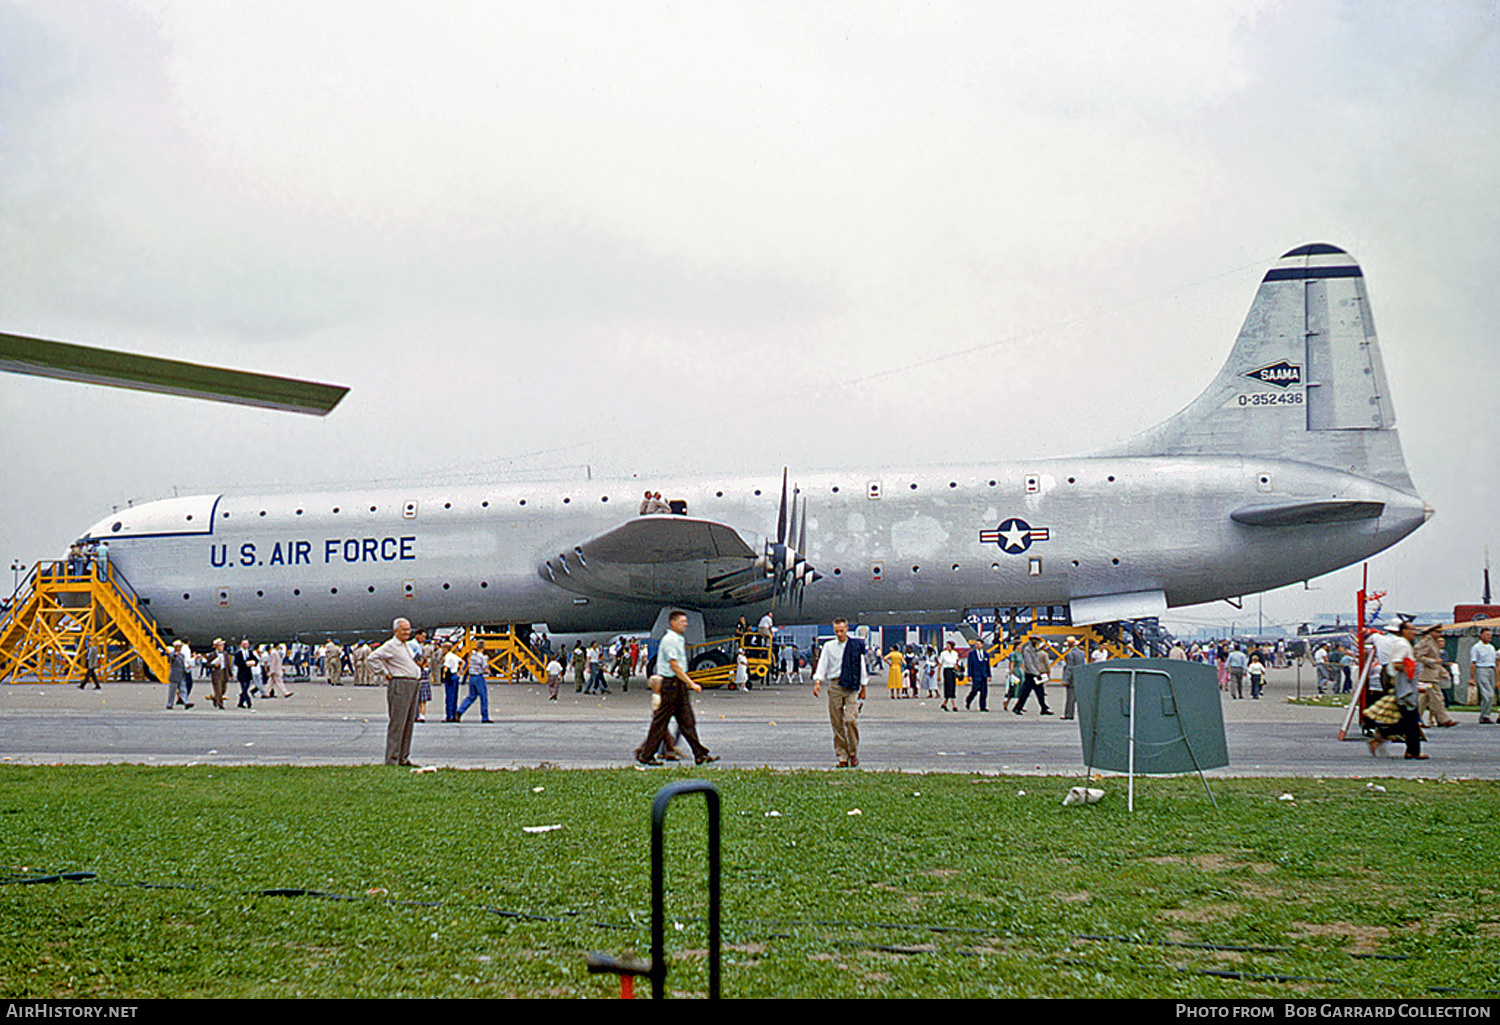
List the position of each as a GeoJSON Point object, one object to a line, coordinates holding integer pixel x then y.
{"type": "Point", "coordinates": [1055, 636]}
{"type": "Point", "coordinates": [510, 658]}
{"type": "Point", "coordinates": [66, 606]}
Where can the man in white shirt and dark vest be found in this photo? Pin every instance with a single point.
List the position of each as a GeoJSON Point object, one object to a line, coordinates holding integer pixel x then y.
{"type": "Point", "coordinates": [842, 665]}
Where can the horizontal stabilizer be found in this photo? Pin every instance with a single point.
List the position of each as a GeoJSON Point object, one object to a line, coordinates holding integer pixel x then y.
{"type": "Point", "coordinates": [1297, 514]}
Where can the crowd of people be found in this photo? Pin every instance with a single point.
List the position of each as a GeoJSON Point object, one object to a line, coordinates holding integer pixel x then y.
{"type": "Point", "coordinates": [1408, 674]}
{"type": "Point", "coordinates": [262, 670]}
{"type": "Point", "coordinates": [923, 671]}
{"type": "Point", "coordinates": [83, 555]}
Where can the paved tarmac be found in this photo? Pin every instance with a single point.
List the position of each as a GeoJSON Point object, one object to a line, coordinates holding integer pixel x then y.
{"type": "Point", "coordinates": [781, 726]}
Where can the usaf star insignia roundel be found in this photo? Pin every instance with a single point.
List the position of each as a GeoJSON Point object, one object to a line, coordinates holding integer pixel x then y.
{"type": "Point", "coordinates": [1014, 535]}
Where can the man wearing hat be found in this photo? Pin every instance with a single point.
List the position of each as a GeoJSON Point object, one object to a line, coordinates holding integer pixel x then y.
{"type": "Point", "coordinates": [218, 668]}
{"type": "Point", "coordinates": [1382, 643]}
{"type": "Point", "coordinates": [1072, 660]}
{"type": "Point", "coordinates": [1432, 676]}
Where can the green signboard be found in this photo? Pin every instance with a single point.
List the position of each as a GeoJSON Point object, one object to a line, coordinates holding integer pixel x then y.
{"type": "Point", "coordinates": [1164, 711]}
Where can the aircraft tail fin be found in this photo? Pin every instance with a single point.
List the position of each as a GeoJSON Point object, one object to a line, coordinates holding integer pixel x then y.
{"type": "Point", "coordinates": [1304, 380]}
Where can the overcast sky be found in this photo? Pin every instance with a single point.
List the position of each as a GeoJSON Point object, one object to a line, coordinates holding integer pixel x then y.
{"type": "Point", "coordinates": [837, 234]}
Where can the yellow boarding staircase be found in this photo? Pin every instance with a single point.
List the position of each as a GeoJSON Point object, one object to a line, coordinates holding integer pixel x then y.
{"type": "Point", "coordinates": [65, 606]}
{"type": "Point", "coordinates": [510, 658]}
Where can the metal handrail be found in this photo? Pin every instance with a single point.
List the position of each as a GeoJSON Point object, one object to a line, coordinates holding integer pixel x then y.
{"type": "Point", "coordinates": [658, 883]}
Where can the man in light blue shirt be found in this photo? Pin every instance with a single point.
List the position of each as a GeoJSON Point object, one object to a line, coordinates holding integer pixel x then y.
{"type": "Point", "coordinates": [1238, 661]}
{"type": "Point", "coordinates": [671, 698]}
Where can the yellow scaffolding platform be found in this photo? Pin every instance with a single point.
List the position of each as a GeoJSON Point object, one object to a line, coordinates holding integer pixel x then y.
{"type": "Point", "coordinates": [65, 607]}
{"type": "Point", "coordinates": [1087, 636]}
{"type": "Point", "coordinates": [509, 657]}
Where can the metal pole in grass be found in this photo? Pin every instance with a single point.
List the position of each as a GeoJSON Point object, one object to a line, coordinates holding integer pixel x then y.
{"type": "Point", "coordinates": [1131, 804]}
{"type": "Point", "coordinates": [658, 884]}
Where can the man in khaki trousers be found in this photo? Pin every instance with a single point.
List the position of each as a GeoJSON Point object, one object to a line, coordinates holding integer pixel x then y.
{"type": "Point", "coordinates": [842, 665]}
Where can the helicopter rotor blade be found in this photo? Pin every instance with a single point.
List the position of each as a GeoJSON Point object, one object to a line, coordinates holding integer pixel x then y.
{"type": "Point", "coordinates": [68, 362]}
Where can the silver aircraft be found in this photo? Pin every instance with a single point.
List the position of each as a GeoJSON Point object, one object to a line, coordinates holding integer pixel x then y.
{"type": "Point", "coordinates": [1287, 467]}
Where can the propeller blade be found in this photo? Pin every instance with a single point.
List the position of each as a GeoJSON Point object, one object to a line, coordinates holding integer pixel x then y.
{"type": "Point", "coordinates": [781, 521]}
{"type": "Point", "coordinates": [790, 555]}
{"type": "Point", "coordinates": [797, 504]}
{"type": "Point", "coordinates": [785, 562]}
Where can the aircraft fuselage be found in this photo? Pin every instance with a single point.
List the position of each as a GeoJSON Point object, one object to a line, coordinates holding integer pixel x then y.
{"type": "Point", "coordinates": [889, 546]}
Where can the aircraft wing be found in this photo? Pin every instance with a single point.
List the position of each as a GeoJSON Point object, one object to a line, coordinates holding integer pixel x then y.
{"type": "Point", "coordinates": [663, 560]}
{"type": "Point", "coordinates": [666, 539]}
{"type": "Point", "coordinates": [68, 362]}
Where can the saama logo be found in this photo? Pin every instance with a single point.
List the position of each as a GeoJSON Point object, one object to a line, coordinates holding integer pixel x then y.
{"type": "Point", "coordinates": [1282, 374]}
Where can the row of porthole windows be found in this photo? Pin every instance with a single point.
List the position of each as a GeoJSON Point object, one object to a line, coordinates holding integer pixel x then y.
{"type": "Point", "coordinates": [837, 571]}
{"type": "Point", "coordinates": [567, 499]}
{"type": "Point", "coordinates": [370, 589]}
{"type": "Point", "coordinates": [953, 484]}
{"type": "Point", "coordinates": [913, 486]}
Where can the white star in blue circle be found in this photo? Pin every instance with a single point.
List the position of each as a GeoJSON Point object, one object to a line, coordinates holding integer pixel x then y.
{"type": "Point", "coordinates": [1015, 535]}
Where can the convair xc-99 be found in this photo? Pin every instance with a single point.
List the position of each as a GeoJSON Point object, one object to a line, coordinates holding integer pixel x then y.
{"type": "Point", "coordinates": [1287, 467]}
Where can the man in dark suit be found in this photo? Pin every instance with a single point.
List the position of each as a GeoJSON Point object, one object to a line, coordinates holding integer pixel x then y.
{"type": "Point", "coordinates": [979, 677]}
{"type": "Point", "coordinates": [244, 670]}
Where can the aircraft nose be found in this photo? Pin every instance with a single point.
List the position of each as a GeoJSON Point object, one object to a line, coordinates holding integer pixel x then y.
{"type": "Point", "coordinates": [1427, 512]}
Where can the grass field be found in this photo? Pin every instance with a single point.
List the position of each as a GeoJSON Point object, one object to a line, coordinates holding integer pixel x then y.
{"type": "Point", "coordinates": [864, 884]}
